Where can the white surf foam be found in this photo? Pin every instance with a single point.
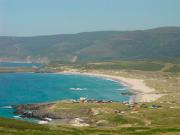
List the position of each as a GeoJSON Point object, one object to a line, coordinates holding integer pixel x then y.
{"type": "Point", "coordinates": [17, 117]}
{"type": "Point", "coordinates": [121, 89]}
{"type": "Point", "coordinates": [111, 80]}
{"type": "Point", "coordinates": [77, 89]}
{"type": "Point", "coordinates": [6, 107]}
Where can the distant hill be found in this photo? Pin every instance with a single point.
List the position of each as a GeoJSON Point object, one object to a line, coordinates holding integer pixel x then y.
{"type": "Point", "coordinates": [159, 43]}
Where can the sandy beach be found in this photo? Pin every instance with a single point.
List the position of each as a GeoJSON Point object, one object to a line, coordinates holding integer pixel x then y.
{"type": "Point", "coordinates": [143, 92]}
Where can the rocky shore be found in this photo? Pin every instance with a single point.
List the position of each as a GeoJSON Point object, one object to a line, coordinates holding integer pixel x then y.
{"type": "Point", "coordinates": [43, 111]}
{"type": "Point", "coordinates": [34, 111]}
{"type": "Point", "coordinates": [65, 112]}
{"type": "Point", "coordinates": [85, 112]}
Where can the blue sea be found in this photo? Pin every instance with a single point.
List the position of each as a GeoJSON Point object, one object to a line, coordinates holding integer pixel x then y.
{"type": "Point", "coordinates": [22, 88]}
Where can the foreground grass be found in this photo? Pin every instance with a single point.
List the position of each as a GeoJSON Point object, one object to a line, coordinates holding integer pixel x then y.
{"type": "Point", "coordinates": [23, 128]}
{"type": "Point", "coordinates": [20, 125]}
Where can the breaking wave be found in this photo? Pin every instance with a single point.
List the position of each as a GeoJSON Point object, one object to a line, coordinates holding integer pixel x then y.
{"type": "Point", "coordinates": [6, 107]}
{"type": "Point", "coordinates": [77, 89]}
{"type": "Point", "coordinates": [121, 89]}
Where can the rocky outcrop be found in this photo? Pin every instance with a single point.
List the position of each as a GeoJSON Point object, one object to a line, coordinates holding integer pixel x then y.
{"type": "Point", "coordinates": [42, 111]}
{"type": "Point", "coordinates": [33, 110]}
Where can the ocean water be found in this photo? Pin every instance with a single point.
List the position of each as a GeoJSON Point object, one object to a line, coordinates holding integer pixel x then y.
{"type": "Point", "coordinates": [21, 88]}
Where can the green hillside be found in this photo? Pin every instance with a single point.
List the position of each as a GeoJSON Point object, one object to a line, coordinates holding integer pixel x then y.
{"type": "Point", "coordinates": [159, 43]}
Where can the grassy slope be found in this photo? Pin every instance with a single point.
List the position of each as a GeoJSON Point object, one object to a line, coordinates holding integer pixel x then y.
{"type": "Point", "coordinates": [62, 130]}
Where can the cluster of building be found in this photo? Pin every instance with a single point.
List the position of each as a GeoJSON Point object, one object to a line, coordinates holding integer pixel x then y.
{"type": "Point", "coordinates": [85, 100]}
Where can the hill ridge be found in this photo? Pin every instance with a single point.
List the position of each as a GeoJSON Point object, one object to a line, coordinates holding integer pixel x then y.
{"type": "Point", "coordinates": [157, 43]}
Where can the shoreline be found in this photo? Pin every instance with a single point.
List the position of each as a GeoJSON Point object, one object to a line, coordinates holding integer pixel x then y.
{"type": "Point", "coordinates": [142, 92]}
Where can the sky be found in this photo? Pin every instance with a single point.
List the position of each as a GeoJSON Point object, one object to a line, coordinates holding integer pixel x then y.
{"type": "Point", "coordinates": [46, 17]}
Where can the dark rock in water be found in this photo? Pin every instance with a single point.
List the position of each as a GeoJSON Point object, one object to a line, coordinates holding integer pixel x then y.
{"type": "Point", "coordinates": [127, 93]}
{"type": "Point", "coordinates": [41, 111]}
{"type": "Point", "coordinates": [44, 72]}
{"type": "Point", "coordinates": [32, 110]}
